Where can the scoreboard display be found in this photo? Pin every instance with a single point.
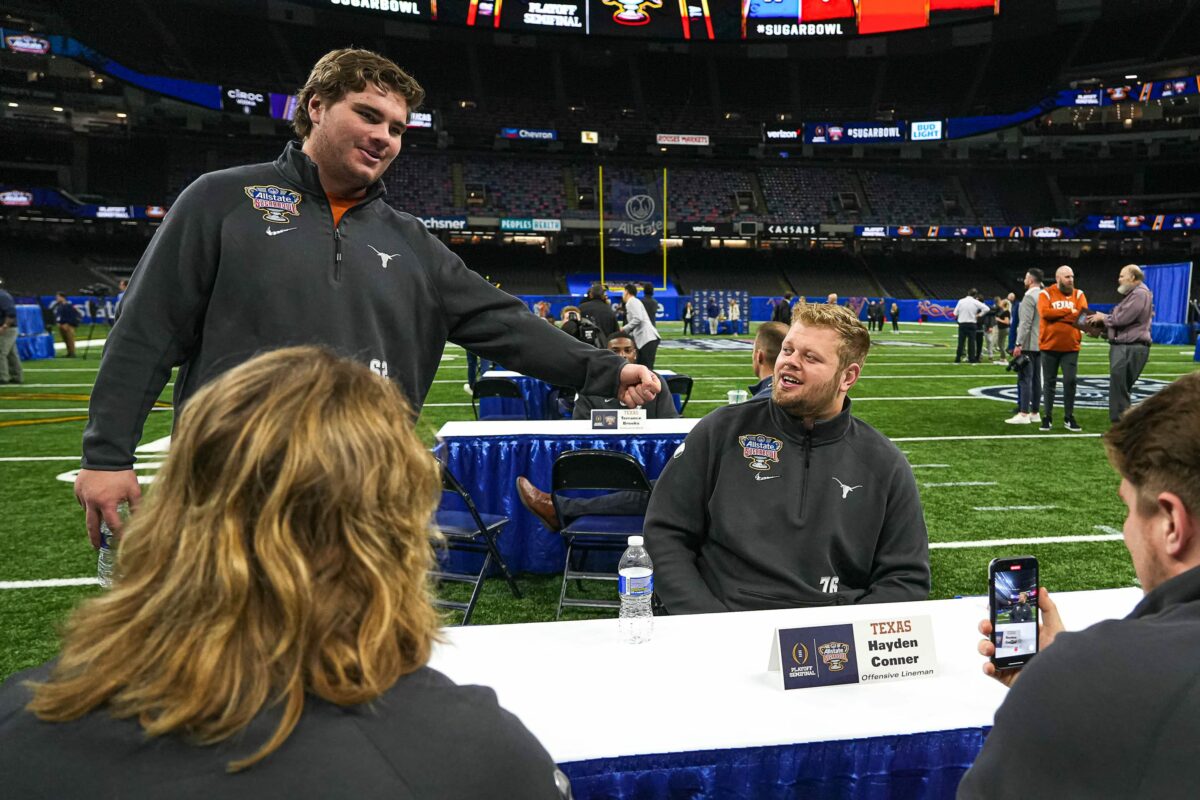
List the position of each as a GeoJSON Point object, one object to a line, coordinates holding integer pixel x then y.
{"type": "Point", "coordinates": [681, 19]}
{"type": "Point", "coordinates": [820, 19]}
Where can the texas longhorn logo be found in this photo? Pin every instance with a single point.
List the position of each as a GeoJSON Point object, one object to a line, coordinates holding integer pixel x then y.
{"type": "Point", "coordinates": [275, 201]}
{"type": "Point", "coordinates": [632, 12]}
{"type": "Point", "coordinates": [760, 450]}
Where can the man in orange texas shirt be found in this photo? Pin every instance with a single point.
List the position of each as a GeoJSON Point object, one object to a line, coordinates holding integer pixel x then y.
{"type": "Point", "coordinates": [1061, 306]}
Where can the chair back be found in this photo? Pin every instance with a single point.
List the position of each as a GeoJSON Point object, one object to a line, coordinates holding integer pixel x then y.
{"type": "Point", "coordinates": [598, 469]}
{"type": "Point", "coordinates": [680, 387]}
{"type": "Point", "coordinates": [502, 388]}
{"type": "Point", "coordinates": [451, 485]}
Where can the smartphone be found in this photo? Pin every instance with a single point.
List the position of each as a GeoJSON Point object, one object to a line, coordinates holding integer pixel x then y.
{"type": "Point", "coordinates": [1013, 609]}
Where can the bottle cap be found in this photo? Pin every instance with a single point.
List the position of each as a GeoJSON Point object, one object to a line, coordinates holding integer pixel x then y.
{"type": "Point", "coordinates": [636, 541]}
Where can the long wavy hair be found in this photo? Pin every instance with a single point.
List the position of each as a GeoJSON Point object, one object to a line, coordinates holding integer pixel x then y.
{"type": "Point", "coordinates": [284, 549]}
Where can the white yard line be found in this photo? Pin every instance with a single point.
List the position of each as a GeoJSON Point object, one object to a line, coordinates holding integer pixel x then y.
{"type": "Point", "coordinates": [1026, 540]}
{"type": "Point", "coordinates": [959, 483]}
{"type": "Point", "coordinates": [63, 410]}
{"type": "Point", "coordinates": [49, 583]}
{"type": "Point", "coordinates": [1012, 508]}
{"type": "Point", "coordinates": [22, 459]}
{"type": "Point", "coordinates": [994, 438]}
{"type": "Point", "coordinates": [929, 466]}
{"type": "Point", "coordinates": [59, 385]}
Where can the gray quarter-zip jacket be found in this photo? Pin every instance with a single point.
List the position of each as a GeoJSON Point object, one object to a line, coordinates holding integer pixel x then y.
{"type": "Point", "coordinates": [248, 260]}
{"type": "Point", "coordinates": [755, 512]}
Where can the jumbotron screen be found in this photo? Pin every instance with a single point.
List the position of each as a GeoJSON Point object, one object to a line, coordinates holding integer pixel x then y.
{"type": "Point", "coordinates": [803, 19]}
{"type": "Point", "coordinates": [682, 19]}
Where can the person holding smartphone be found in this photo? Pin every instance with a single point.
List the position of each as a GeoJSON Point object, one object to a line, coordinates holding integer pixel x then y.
{"type": "Point", "coordinates": [1114, 710]}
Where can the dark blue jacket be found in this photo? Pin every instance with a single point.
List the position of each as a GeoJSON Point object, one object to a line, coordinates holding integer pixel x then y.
{"type": "Point", "coordinates": [67, 314]}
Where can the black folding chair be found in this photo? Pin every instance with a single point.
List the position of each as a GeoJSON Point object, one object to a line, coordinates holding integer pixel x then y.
{"type": "Point", "coordinates": [502, 388]}
{"type": "Point", "coordinates": [681, 386]}
{"type": "Point", "coordinates": [468, 531]}
{"type": "Point", "coordinates": [579, 470]}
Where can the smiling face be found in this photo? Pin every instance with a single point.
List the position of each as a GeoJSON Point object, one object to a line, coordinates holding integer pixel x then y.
{"type": "Point", "coordinates": [809, 382]}
{"type": "Point", "coordinates": [354, 140]}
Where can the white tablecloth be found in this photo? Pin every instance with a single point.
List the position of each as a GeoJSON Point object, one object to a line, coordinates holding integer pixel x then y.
{"type": "Point", "coordinates": [702, 682]}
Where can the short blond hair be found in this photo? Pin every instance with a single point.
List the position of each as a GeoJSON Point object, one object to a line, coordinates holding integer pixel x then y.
{"type": "Point", "coordinates": [340, 72]}
{"type": "Point", "coordinates": [855, 339]}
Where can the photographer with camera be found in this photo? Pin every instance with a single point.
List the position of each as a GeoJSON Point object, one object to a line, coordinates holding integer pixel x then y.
{"type": "Point", "coordinates": [1026, 354]}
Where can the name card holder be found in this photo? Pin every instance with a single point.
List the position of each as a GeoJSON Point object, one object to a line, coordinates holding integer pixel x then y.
{"type": "Point", "coordinates": [858, 652]}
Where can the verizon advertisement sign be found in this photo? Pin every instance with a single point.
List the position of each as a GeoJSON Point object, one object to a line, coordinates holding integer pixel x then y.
{"type": "Point", "coordinates": [693, 139]}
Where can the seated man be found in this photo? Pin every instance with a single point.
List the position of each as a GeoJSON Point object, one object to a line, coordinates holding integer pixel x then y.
{"type": "Point", "coordinates": [661, 407]}
{"type": "Point", "coordinates": [766, 350]}
{"type": "Point", "coordinates": [790, 501]}
{"type": "Point", "coordinates": [633, 503]}
{"type": "Point", "coordinates": [1132, 676]}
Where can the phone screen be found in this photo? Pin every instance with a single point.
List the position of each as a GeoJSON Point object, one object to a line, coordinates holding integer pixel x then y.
{"type": "Point", "coordinates": [1013, 595]}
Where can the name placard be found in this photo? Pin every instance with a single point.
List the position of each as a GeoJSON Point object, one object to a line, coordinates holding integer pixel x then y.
{"type": "Point", "coordinates": [858, 652]}
{"type": "Point", "coordinates": [631, 419]}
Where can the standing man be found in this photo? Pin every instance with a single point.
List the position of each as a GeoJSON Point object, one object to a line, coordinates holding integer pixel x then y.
{"type": "Point", "coordinates": [1127, 329]}
{"type": "Point", "coordinates": [967, 312]}
{"type": "Point", "coordinates": [783, 310]}
{"type": "Point", "coordinates": [767, 343]}
{"type": "Point", "coordinates": [640, 328]}
{"type": "Point", "coordinates": [790, 501]}
{"type": "Point", "coordinates": [714, 312]}
{"type": "Point", "coordinates": [832, 299]}
{"type": "Point", "coordinates": [68, 318]}
{"type": "Point", "coordinates": [1003, 322]}
{"type": "Point", "coordinates": [339, 267]}
{"type": "Point", "coordinates": [895, 312]}
{"type": "Point", "coordinates": [597, 309]}
{"type": "Point", "coordinates": [1060, 308]}
{"type": "Point", "coordinates": [1025, 351]}
{"type": "Point", "coordinates": [1113, 711]}
{"type": "Point", "coordinates": [10, 360]}
{"type": "Point", "coordinates": [649, 302]}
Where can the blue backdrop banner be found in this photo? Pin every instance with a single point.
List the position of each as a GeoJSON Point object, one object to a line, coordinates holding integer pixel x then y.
{"type": "Point", "coordinates": [1171, 285]}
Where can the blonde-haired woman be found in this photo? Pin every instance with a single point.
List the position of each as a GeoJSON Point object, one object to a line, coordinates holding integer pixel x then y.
{"type": "Point", "coordinates": [272, 602]}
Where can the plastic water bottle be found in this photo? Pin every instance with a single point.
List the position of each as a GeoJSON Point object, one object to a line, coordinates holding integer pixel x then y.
{"type": "Point", "coordinates": [106, 561]}
{"type": "Point", "coordinates": [635, 582]}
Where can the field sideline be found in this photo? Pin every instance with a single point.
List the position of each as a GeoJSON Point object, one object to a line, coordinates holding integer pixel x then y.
{"type": "Point", "coordinates": [988, 488]}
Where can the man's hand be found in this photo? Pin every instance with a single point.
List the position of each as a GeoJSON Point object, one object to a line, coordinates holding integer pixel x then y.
{"type": "Point", "coordinates": [1049, 626]}
{"type": "Point", "coordinates": [638, 385]}
{"type": "Point", "coordinates": [100, 492]}
{"type": "Point", "coordinates": [1097, 318]}
{"type": "Point", "coordinates": [1017, 351]}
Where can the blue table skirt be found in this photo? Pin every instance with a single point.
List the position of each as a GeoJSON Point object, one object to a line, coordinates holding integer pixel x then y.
{"type": "Point", "coordinates": [32, 348]}
{"type": "Point", "coordinates": [911, 767]}
{"type": "Point", "coordinates": [488, 466]}
{"type": "Point", "coordinates": [29, 320]}
{"type": "Point", "coordinates": [1168, 333]}
{"type": "Point", "coordinates": [536, 392]}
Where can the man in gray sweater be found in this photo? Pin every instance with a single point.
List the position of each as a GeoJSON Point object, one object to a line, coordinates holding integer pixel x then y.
{"type": "Point", "coordinates": [342, 268]}
{"type": "Point", "coordinates": [787, 500]}
{"type": "Point", "coordinates": [1127, 328]}
{"type": "Point", "coordinates": [1027, 353]}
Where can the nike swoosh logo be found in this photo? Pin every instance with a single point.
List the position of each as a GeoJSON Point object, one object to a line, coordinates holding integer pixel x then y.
{"type": "Point", "coordinates": [766, 477]}
{"type": "Point", "coordinates": [278, 231]}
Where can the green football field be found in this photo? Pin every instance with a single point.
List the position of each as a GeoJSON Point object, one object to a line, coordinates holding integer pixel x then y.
{"type": "Point", "coordinates": [984, 483]}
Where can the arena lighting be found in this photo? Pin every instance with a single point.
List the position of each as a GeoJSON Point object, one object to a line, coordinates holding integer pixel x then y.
{"type": "Point", "coordinates": [13, 105]}
{"type": "Point", "coordinates": [1131, 77]}
{"type": "Point", "coordinates": [58, 109]}
{"type": "Point", "coordinates": [121, 115]}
